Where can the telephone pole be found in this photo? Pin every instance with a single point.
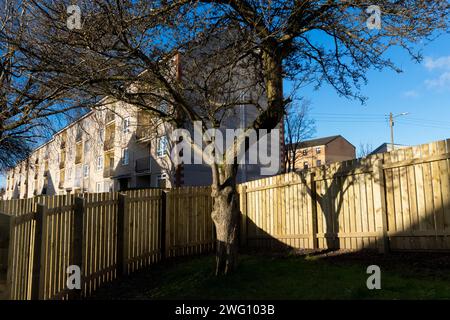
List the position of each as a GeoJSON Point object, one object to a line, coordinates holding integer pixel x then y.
{"type": "Point", "coordinates": [391, 125]}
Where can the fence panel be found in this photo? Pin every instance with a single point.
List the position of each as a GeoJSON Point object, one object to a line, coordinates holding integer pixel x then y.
{"type": "Point", "coordinates": [418, 197]}
{"type": "Point", "coordinates": [278, 212]}
{"type": "Point", "coordinates": [144, 232]}
{"type": "Point", "coordinates": [99, 239]}
{"type": "Point", "coordinates": [345, 205]}
{"type": "Point", "coordinates": [21, 257]}
{"type": "Point", "coordinates": [57, 246]}
{"type": "Point", "coordinates": [189, 227]}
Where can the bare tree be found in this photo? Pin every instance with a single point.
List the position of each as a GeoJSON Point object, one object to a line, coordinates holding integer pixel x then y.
{"type": "Point", "coordinates": [364, 150]}
{"type": "Point", "coordinates": [30, 107]}
{"type": "Point", "coordinates": [132, 43]}
{"type": "Point", "coordinates": [298, 127]}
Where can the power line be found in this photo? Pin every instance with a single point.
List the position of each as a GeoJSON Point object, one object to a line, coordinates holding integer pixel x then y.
{"type": "Point", "coordinates": [424, 125]}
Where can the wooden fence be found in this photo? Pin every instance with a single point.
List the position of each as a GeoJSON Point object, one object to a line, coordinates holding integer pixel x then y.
{"type": "Point", "coordinates": [106, 234]}
{"type": "Point", "coordinates": [393, 201]}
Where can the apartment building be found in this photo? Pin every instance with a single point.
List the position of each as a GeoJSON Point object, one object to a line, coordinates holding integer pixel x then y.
{"type": "Point", "coordinates": [326, 150]}
{"type": "Point", "coordinates": [118, 147]}
{"type": "Point", "coordinates": [106, 150]}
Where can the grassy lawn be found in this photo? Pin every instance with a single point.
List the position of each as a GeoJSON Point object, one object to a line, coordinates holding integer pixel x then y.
{"type": "Point", "coordinates": [288, 277]}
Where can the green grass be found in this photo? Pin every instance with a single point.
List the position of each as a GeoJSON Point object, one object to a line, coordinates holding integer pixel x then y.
{"type": "Point", "coordinates": [285, 277]}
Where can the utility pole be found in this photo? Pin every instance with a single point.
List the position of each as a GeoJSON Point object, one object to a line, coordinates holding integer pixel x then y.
{"type": "Point", "coordinates": [391, 125]}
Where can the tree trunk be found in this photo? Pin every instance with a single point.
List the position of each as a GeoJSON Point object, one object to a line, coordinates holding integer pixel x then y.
{"type": "Point", "coordinates": [224, 192]}
{"type": "Point", "coordinates": [225, 215]}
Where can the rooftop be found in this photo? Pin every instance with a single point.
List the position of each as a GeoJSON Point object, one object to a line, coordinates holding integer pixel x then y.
{"type": "Point", "coordinates": [319, 141]}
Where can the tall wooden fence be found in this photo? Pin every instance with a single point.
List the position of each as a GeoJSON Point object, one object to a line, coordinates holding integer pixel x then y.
{"type": "Point", "coordinates": [393, 201]}
{"type": "Point", "coordinates": [105, 234]}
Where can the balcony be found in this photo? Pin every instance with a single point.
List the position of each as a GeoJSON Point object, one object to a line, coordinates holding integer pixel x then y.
{"type": "Point", "coordinates": [143, 134]}
{"type": "Point", "coordinates": [110, 117]}
{"type": "Point", "coordinates": [108, 172]}
{"type": "Point", "coordinates": [109, 143]}
{"type": "Point", "coordinates": [143, 165]}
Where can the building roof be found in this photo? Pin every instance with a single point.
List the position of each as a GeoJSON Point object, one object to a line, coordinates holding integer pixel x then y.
{"type": "Point", "coordinates": [386, 147]}
{"type": "Point", "coordinates": [320, 141]}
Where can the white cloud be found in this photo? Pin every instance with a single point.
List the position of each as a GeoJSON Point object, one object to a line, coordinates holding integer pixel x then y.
{"type": "Point", "coordinates": [441, 82]}
{"type": "Point", "coordinates": [441, 79]}
{"type": "Point", "coordinates": [441, 63]}
{"type": "Point", "coordinates": [411, 94]}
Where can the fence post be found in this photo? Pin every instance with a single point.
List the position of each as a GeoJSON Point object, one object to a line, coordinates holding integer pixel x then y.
{"type": "Point", "coordinates": [312, 208]}
{"type": "Point", "coordinates": [163, 222]}
{"type": "Point", "coordinates": [41, 212]}
{"type": "Point", "coordinates": [243, 202]}
{"type": "Point", "coordinates": [122, 235]}
{"type": "Point", "coordinates": [379, 198]}
{"type": "Point", "coordinates": [78, 243]}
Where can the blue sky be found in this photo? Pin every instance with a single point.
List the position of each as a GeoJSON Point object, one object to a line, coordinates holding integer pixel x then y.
{"type": "Point", "coordinates": [423, 90]}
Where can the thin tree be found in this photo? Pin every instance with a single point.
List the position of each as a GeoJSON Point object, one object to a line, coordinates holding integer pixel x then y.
{"type": "Point", "coordinates": [298, 126]}
{"type": "Point", "coordinates": [364, 150]}
{"type": "Point", "coordinates": [127, 43]}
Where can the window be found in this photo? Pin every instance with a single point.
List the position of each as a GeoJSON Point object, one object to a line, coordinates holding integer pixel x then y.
{"type": "Point", "coordinates": [79, 133]}
{"type": "Point", "coordinates": [125, 157]}
{"type": "Point", "coordinates": [318, 150]}
{"type": "Point", "coordinates": [87, 146]}
{"type": "Point", "coordinates": [99, 163]}
{"type": "Point", "coordinates": [78, 177]}
{"type": "Point", "coordinates": [162, 180]}
{"type": "Point", "coordinates": [126, 125]}
{"type": "Point", "coordinates": [305, 165]}
{"type": "Point", "coordinates": [162, 147]}
{"type": "Point", "coordinates": [319, 163]}
{"type": "Point", "coordinates": [109, 186]}
{"type": "Point", "coordinates": [101, 135]}
{"type": "Point", "coordinates": [98, 187]}
{"type": "Point", "coordinates": [86, 170]}
{"type": "Point", "coordinates": [305, 152]}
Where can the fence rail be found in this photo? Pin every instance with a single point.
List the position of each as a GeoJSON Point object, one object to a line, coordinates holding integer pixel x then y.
{"type": "Point", "coordinates": [393, 201]}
